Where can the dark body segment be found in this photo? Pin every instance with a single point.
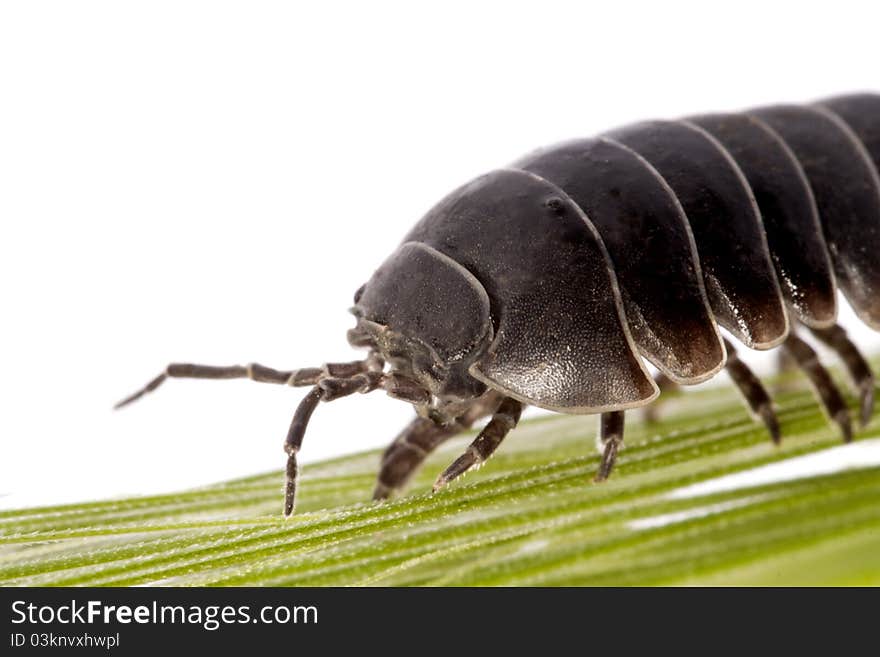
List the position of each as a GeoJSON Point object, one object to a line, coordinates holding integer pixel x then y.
{"type": "Point", "coordinates": [413, 291]}
{"type": "Point", "coordinates": [861, 112]}
{"type": "Point", "coordinates": [847, 191]}
{"type": "Point", "coordinates": [739, 277]}
{"type": "Point", "coordinates": [526, 286]}
{"type": "Point", "coordinates": [788, 210]}
{"type": "Point", "coordinates": [561, 340]}
{"type": "Point", "coordinates": [650, 243]}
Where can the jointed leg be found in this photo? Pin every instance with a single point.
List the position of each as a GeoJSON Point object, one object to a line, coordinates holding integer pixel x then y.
{"type": "Point", "coordinates": [408, 451]}
{"type": "Point", "coordinates": [503, 420]}
{"type": "Point", "coordinates": [753, 391]}
{"type": "Point", "coordinates": [611, 440]}
{"type": "Point", "coordinates": [828, 393]}
{"type": "Point", "coordinates": [858, 368]}
{"type": "Point", "coordinates": [421, 437]}
{"type": "Point", "coordinates": [744, 379]}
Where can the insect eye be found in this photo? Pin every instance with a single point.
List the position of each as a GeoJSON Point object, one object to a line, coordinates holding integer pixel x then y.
{"type": "Point", "coordinates": [359, 293]}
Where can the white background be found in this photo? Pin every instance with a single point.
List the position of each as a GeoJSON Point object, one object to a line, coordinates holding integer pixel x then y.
{"type": "Point", "coordinates": [212, 181]}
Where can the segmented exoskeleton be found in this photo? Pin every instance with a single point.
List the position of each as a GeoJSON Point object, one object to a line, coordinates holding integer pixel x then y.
{"type": "Point", "coordinates": [546, 282]}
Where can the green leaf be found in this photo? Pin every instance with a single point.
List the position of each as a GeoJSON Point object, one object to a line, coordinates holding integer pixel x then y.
{"type": "Point", "coordinates": [531, 516]}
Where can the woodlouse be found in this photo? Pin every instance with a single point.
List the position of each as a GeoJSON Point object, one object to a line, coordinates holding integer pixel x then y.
{"type": "Point", "coordinates": [543, 283]}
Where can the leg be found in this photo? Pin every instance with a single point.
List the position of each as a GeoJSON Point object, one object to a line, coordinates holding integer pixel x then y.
{"type": "Point", "coordinates": [421, 437]}
{"type": "Point", "coordinates": [752, 391]}
{"type": "Point", "coordinates": [610, 442]}
{"type": "Point", "coordinates": [858, 368]}
{"type": "Point", "coordinates": [828, 393]}
{"type": "Point", "coordinates": [408, 451]}
{"type": "Point", "coordinates": [503, 420]}
{"type": "Point", "coordinates": [666, 385]}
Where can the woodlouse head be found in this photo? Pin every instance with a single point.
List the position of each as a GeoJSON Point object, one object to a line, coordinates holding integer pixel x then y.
{"type": "Point", "coordinates": [428, 318]}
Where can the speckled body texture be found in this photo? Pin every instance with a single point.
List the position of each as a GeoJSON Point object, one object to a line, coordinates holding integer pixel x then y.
{"type": "Point", "coordinates": [547, 282]}
{"type": "Point", "coordinates": [641, 242]}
